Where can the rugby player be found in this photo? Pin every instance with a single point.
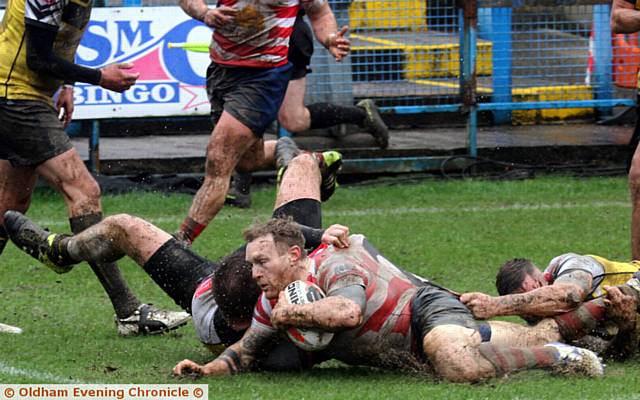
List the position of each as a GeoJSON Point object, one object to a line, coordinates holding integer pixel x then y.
{"type": "Point", "coordinates": [220, 302]}
{"type": "Point", "coordinates": [38, 42]}
{"type": "Point", "coordinates": [295, 117]}
{"type": "Point", "coordinates": [625, 18]}
{"type": "Point", "coordinates": [569, 281]}
{"type": "Point", "coordinates": [381, 316]}
{"type": "Point", "coordinates": [246, 84]}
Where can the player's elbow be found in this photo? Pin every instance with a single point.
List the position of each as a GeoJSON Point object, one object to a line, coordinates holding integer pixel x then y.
{"type": "Point", "coordinates": [574, 295]}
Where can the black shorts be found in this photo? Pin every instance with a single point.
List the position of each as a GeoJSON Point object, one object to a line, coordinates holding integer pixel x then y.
{"type": "Point", "coordinates": [253, 96]}
{"type": "Point", "coordinates": [303, 211]}
{"type": "Point", "coordinates": [432, 307]}
{"type": "Point", "coordinates": [30, 133]}
{"type": "Point", "coordinates": [178, 271]}
{"type": "Point", "coordinates": [300, 49]}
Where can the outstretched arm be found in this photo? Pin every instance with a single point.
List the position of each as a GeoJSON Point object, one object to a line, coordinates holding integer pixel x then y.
{"type": "Point", "coordinates": [564, 295]}
{"type": "Point", "coordinates": [41, 58]}
{"type": "Point", "coordinates": [238, 357]}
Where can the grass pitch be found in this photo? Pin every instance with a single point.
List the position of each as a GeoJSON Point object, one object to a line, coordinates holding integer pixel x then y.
{"type": "Point", "coordinates": [456, 233]}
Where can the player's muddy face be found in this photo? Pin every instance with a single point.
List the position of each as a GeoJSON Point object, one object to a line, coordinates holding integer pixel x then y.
{"type": "Point", "coordinates": [533, 281]}
{"type": "Point", "coordinates": [270, 269]}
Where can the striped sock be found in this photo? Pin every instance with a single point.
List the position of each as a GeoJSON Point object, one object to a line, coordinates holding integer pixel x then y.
{"type": "Point", "coordinates": [507, 359]}
{"type": "Point", "coordinates": [579, 322]}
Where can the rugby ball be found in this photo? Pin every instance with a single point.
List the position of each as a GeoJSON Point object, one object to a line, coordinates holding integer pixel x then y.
{"type": "Point", "coordinates": [301, 292]}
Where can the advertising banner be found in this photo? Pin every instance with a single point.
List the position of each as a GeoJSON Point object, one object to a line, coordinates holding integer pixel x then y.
{"type": "Point", "coordinates": [172, 79]}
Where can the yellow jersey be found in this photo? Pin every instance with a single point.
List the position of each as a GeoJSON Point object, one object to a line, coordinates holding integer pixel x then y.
{"type": "Point", "coordinates": [68, 17]}
{"type": "Point", "coordinates": [603, 272]}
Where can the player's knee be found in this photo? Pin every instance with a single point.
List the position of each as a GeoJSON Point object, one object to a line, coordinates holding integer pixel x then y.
{"type": "Point", "coordinates": [305, 160]}
{"type": "Point", "coordinates": [292, 120]}
{"type": "Point", "coordinates": [121, 219]}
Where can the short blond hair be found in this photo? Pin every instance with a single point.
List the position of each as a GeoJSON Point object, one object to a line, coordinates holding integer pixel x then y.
{"type": "Point", "coordinates": [285, 233]}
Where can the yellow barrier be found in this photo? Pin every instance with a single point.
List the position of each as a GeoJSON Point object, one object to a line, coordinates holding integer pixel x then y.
{"type": "Point", "coordinates": [550, 93]}
{"type": "Point", "coordinates": [403, 14]}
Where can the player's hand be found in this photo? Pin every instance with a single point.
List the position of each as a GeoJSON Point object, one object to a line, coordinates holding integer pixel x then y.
{"type": "Point", "coordinates": [280, 313]}
{"type": "Point", "coordinates": [116, 77]}
{"type": "Point", "coordinates": [338, 45]}
{"type": "Point", "coordinates": [187, 368]}
{"type": "Point", "coordinates": [64, 105]}
{"type": "Point", "coordinates": [621, 308]}
{"type": "Point", "coordinates": [337, 235]}
{"type": "Point", "coordinates": [480, 304]}
{"type": "Point", "coordinates": [219, 16]}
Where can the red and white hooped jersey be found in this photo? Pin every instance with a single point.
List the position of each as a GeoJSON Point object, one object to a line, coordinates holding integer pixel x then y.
{"type": "Point", "coordinates": [386, 328]}
{"type": "Point", "coordinates": [259, 35]}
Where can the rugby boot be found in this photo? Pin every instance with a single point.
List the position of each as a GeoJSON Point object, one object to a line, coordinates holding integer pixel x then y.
{"type": "Point", "coordinates": [44, 246]}
{"type": "Point", "coordinates": [286, 150]}
{"type": "Point", "coordinates": [330, 163]}
{"type": "Point", "coordinates": [149, 320]}
{"type": "Point", "coordinates": [576, 361]}
{"type": "Point", "coordinates": [373, 123]}
{"type": "Point", "coordinates": [239, 194]}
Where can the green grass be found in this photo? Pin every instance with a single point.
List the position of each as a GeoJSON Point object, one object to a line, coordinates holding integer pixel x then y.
{"type": "Point", "coordinates": [456, 233]}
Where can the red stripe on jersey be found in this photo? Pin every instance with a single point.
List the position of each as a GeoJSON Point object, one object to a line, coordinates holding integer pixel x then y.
{"type": "Point", "coordinates": [285, 12]}
{"type": "Point", "coordinates": [243, 50]}
{"type": "Point", "coordinates": [318, 250]}
{"type": "Point", "coordinates": [296, 334]}
{"type": "Point", "coordinates": [403, 324]}
{"type": "Point", "coordinates": [395, 289]}
{"type": "Point", "coordinates": [261, 319]}
{"type": "Point", "coordinates": [259, 306]}
{"type": "Point", "coordinates": [312, 279]}
{"type": "Point", "coordinates": [203, 287]}
{"type": "Point", "coordinates": [280, 32]}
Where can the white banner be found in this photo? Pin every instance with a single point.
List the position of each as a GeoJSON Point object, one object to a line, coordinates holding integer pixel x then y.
{"type": "Point", "coordinates": [171, 79]}
{"type": "Point", "coordinates": [104, 392]}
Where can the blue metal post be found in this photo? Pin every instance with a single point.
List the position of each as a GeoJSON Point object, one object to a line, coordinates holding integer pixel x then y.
{"type": "Point", "coordinates": [495, 26]}
{"type": "Point", "coordinates": [602, 56]}
{"type": "Point", "coordinates": [132, 3]}
{"type": "Point", "coordinates": [94, 147]}
{"type": "Point", "coordinates": [468, 86]}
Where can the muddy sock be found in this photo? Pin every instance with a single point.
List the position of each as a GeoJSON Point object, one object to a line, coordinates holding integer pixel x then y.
{"type": "Point", "coordinates": [123, 300]}
{"type": "Point", "coordinates": [506, 359]}
{"type": "Point", "coordinates": [59, 251]}
{"type": "Point", "coordinates": [92, 247]}
{"type": "Point", "coordinates": [191, 229]}
{"type": "Point", "coordinates": [325, 115]}
{"type": "Point", "coordinates": [579, 322]}
{"type": "Point", "coordinates": [3, 238]}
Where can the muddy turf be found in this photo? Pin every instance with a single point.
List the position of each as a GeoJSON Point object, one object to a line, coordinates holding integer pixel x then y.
{"type": "Point", "coordinates": [454, 232]}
